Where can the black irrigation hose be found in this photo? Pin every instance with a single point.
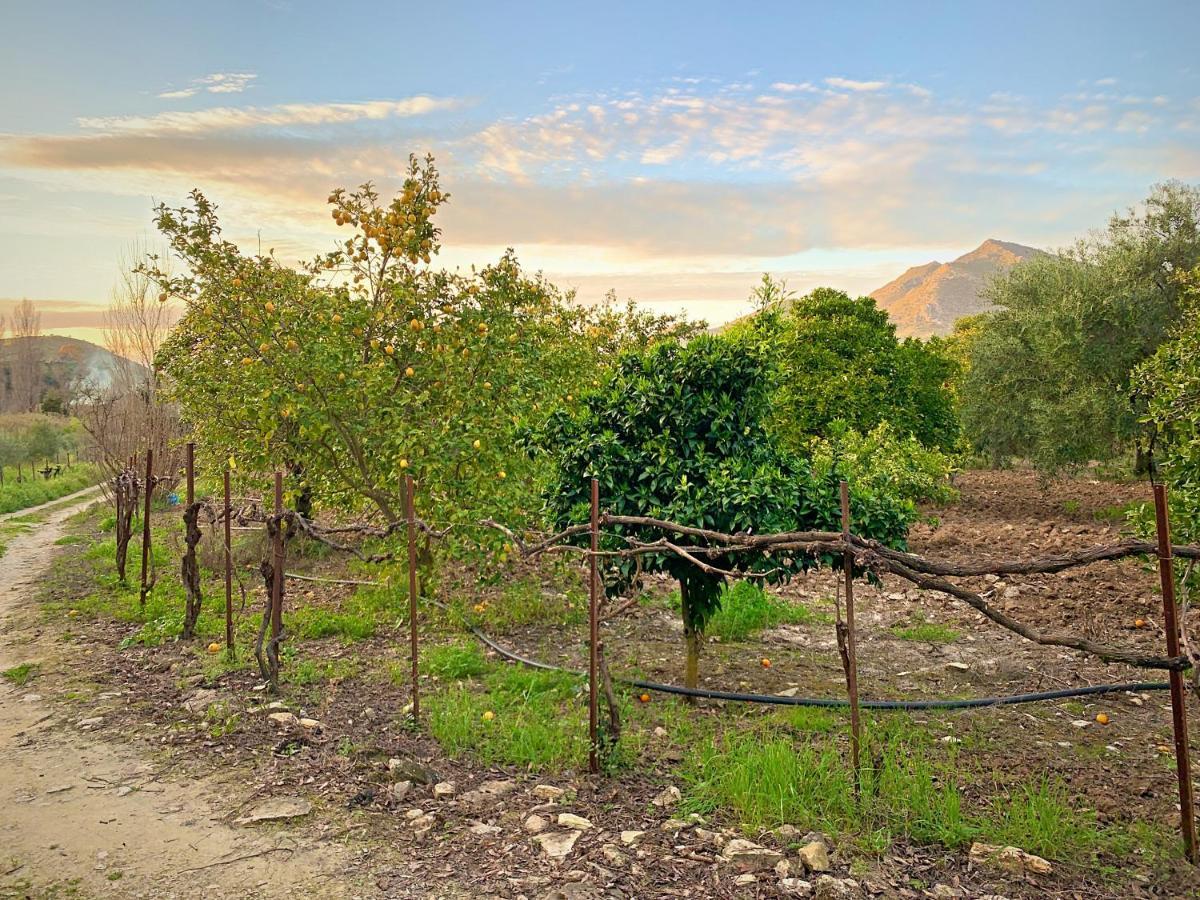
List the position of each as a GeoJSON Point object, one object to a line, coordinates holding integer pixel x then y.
{"type": "Point", "coordinates": [779, 700]}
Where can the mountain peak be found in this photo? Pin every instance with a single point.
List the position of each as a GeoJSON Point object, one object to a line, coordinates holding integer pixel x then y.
{"type": "Point", "coordinates": [929, 299]}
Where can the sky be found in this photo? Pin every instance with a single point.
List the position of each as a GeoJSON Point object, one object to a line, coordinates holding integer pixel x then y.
{"type": "Point", "coordinates": [671, 152]}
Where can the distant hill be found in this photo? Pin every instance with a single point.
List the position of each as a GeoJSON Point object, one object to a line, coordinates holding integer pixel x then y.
{"type": "Point", "coordinates": [66, 366]}
{"type": "Point", "coordinates": [928, 299]}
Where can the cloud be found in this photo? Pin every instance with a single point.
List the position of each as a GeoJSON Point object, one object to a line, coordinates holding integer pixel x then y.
{"type": "Point", "coordinates": [228, 118]}
{"type": "Point", "coordinates": [849, 84]}
{"type": "Point", "coordinates": [216, 83]}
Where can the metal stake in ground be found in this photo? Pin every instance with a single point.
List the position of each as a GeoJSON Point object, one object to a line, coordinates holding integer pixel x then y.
{"type": "Point", "coordinates": [146, 530]}
{"type": "Point", "coordinates": [1166, 572]}
{"type": "Point", "coordinates": [594, 636]}
{"type": "Point", "coordinates": [411, 514]}
{"type": "Point", "coordinates": [846, 639]}
{"type": "Point", "coordinates": [228, 570]}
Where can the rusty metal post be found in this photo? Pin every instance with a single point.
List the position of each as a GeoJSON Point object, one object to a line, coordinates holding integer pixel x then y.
{"type": "Point", "coordinates": [1166, 572]}
{"type": "Point", "coordinates": [277, 579]}
{"type": "Point", "coordinates": [414, 650]}
{"type": "Point", "coordinates": [851, 649]}
{"type": "Point", "coordinates": [149, 489]}
{"type": "Point", "coordinates": [228, 511]}
{"type": "Point", "coordinates": [594, 636]}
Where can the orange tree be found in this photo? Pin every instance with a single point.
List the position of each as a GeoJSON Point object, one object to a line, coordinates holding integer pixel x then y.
{"type": "Point", "coordinates": [367, 364]}
{"type": "Point", "coordinates": [679, 433]}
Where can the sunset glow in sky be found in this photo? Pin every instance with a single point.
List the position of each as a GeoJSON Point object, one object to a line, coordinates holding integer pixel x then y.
{"type": "Point", "coordinates": [670, 151]}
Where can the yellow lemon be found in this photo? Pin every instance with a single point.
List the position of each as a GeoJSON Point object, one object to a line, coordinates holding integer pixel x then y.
{"type": "Point", "coordinates": [214, 647]}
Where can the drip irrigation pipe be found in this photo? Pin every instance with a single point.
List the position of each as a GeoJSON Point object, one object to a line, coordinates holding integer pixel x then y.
{"type": "Point", "coordinates": [780, 700]}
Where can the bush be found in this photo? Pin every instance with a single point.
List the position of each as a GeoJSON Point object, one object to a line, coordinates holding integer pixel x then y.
{"type": "Point", "coordinates": [886, 462]}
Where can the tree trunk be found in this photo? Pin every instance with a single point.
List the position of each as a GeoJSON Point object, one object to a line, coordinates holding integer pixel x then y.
{"type": "Point", "coordinates": [692, 637]}
{"type": "Point", "coordinates": [190, 571]}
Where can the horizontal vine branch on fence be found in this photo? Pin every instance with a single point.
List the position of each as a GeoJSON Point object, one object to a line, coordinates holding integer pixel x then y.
{"type": "Point", "coordinates": [703, 544]}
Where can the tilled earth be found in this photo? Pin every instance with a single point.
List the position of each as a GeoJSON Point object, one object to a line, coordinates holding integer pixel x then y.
{"type": "Point", "coordinates": [475, 842]}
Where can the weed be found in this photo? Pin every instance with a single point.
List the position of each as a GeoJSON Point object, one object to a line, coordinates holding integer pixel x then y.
{"type": "Point", "coordinates": [22, 674]}
{"type": "Point", "coordinates": [928, 632]}
{"type": "Point", "coordinates": [454, 661]}
{"type": "Point", "coordinates": [747, 609]}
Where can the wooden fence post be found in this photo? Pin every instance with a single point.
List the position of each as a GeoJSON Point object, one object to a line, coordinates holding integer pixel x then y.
{"type": "Point", "coordinates": [277, 565]}
{"type": "Point", "coordinates": [149, 489]}
{"type": "Point", "coordinates": [1166, 572]}
{"type": "Point", "coordinates": [228, 515]}
{"type": "Point", "coordinates": [594, 635]}
{"type": "Point", "coordinates": [414, 651]}
{"type": "Point", "coordinates": [849, 647]}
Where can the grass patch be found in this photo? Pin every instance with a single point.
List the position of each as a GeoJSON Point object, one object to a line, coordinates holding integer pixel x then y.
{"type": "Point", "coordinates": [536, 719]}
{"type": "Point", "coordinates": [747, 609]}
{"type": "Point", "coordinates": [17, 495]}
{"type": "Point", "coordinates": [454, 661]}
{"type": "Point", "coordinates": [783, 770]}
{"type": "Point", "coordinates": [22, 674]}
{"type": "Point", "coordinates": [927, 632]}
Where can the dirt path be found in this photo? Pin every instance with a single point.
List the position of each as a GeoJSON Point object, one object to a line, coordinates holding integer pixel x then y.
{"type": "Point", "coordinates": [81, 816]}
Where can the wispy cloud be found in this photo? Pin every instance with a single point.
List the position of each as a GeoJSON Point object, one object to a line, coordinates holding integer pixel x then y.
{"type": "Point", "coordinates": [850, 84]}
{"type": "Point", "coordinates": [230, 118]}
{"type": "Point", "coordinates": [216, 83]}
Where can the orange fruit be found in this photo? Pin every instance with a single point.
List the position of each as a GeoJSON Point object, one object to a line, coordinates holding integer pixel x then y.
{"type": "Point", "coordinates": [645, 698]}
{"type": "Point", "coordinates": [214, 647]}
{"type": "Point", "coordinates": [766, 663]}
{"type": "Point", "coordinates": [269, 306]}
{"type": "Point", "coordinates": [410, 372]}
{"type": "Point", "coordinates": [1102, 718]}
{"type": "Point", "coordinates": [1139, 623]}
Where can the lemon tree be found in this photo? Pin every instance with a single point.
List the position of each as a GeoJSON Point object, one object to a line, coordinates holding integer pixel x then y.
{"type": "Point", "coordinates": [368, 364]}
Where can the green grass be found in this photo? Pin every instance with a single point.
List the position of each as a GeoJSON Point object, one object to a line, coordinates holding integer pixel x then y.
{"type": "Point", "coordinates": [781, 771]}
{"type": "Point", "coordinates": [537, 722]}
{"type": "Point", "coordinates": [22, 674]}
{"type": "Point", "coordinates": [526, 602]}
{"type": "Point", "coordinates": [17, 495]}
{"type": "Point", "coordinates": [747, 609]}
{"type": "Point", "coordinates": [454, 661]}
{"type": "Point", "coordinates": [928, 632]}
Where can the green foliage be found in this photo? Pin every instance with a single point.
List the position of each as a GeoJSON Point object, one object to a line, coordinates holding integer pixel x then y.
{"type": "Point", "coordinates": [679, 433]}
{"type": "Point", "coordinates": [1050, 372]}
{"type": "Point", "coordinates": [836, 358]}
{"type": "Point", "coordinates": [886, 462]}
{"type": "Point", "coordinates": [367, 364]}
{"type": "Point", "coordinates": [929, 632]}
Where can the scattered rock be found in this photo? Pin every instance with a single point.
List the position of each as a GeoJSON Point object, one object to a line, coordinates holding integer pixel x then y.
{"type": "Point", "coordinates": [795, 887]}
{"type": "Point", "coordinates": [535, 824]}
{"type": "Point", "coordinates": [548, 792]}
{"type": "Point", "coordinates": [422, 824]}
{"type": "Point", "coordinates": [669, 798]}
{"type": "Point", "coordinates": [675, 825]}
{"type": "Point", "coordinates": [91, 722]}
{"type": "Point", "coordinates": [570, 820]}
{"type": "Point", "coordinates": [788, 833]}
{"type": "Point", "coordinates": [743, 880]}
{"type": "Point", "coordinates": [632, 838]}
{"type": "Point", "coordinates": [410, 770]}
{"type": "Point", "coordinates": [276, 808]}
{"type": "Point", "coordinates": [443, 790]}
{"type": "Point", "coordinates": [783, 868]}
{"type": "Point", "coordinates": [199, 702]}
{"type": "Point", "coordinates": [945, 892]}
{"type": "Point", "coordinates": [59, 789]}
{"type": "Point", "coordinates": [614, 855]}
{"type": "Point", "coordinates": [311, 724]}
{"type": "Point", "coordinates": [789, 692]}
{"type": "Point", "coordinates": [488, 791]}
{"type": "Point", "coordinates": [815, 856]}
{"type": "Point", "coordinates": [712, 837]}
{"type": "Point", "coordinates": [749, 856]}
{"type": "Point", "coordinates": [415, 813]}
{"type": "Point", "coordinates": [400, 790]}
{"type": "Point", "coordinates": [660, 732]}
{"type": "Point", "coordinates": [1010, 859]}
{"type": "Point", "coordinates": [284, 719]}
{"type": "Point", "coordinates": [482, 830]}
{"type": "Point", "coordinates": [827, 887]}
{"type": "Point", "coordinates": [557, 844]}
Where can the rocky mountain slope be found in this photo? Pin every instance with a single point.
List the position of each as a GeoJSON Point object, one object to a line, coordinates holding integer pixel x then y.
{"type": "Point", "coordinates": [928, 299]}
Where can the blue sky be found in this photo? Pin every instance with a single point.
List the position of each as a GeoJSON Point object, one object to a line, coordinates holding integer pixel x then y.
{"type": "Point", "coordinates": [669, 151]}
